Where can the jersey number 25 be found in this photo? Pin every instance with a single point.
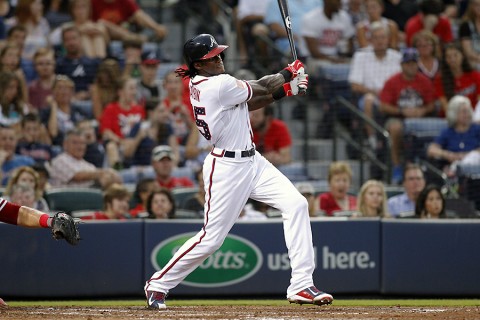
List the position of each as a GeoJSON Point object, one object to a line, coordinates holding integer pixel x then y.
{"type": "Point", "coordinates": [201, 124]}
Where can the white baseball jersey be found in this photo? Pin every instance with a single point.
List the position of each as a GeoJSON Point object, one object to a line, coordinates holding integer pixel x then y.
{"type": "Point", "coordinates": [220, 107]}
{"type": "Point", "coordinates": [221, 112]}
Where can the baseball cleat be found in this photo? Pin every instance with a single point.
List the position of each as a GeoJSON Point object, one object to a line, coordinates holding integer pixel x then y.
{"type": "Point", "coordinates": [311, 295]}
{"type": "Point", "coordinates": [156, 300]}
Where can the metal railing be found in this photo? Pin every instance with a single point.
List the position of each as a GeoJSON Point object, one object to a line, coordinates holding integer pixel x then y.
{"type": "Point", "coordinates": [366, 154]}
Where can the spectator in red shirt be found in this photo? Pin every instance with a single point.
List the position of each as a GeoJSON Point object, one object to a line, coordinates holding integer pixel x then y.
{"type": "Point", "coordinates": [163, 164]}
{"type": "Point", "coordinates": [338, 199]}
{"type": "Point", "coordinates": [116, 204]}
{"type": "Point", "coordinates": [113, 13]}
{"type": "Point", "coordinates": [271, 136]}
{"type": "Point", "coordinates": [429, 18]}
{"type": "Point", "coordinates": [407, 94]}
{"type": "Point", "coordinates": [457, 77]}
{"type": "Point", "coordinates": [118, 118]}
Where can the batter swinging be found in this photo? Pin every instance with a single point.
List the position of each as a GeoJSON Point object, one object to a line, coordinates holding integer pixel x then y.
{"type": "Point", "coordinates": [234, 171]}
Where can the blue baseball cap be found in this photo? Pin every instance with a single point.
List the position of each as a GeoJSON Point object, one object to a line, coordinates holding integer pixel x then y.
{"type": "Point", "coordinates": [409, 54]}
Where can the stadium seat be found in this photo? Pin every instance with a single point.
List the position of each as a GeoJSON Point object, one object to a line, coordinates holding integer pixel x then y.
{"type": "Point", "coordinates": [182, 194]}
{"type": "Point", "coordinates": [74, 199]}
{"type": "Point", "coordinates": [418, 133]}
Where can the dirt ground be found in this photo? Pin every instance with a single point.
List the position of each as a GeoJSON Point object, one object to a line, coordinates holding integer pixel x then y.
{"type": "Point", "coordinates": [240, 312]}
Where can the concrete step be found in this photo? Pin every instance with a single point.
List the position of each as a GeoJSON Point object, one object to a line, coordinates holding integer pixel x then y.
{"type": "Point", "coordinates": [318, 149]}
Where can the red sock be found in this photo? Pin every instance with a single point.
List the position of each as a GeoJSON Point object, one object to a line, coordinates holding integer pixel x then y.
{"type": "Point", "coordinates": [8, 212]}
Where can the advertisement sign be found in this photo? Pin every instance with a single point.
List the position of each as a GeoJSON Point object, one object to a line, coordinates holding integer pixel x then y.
{"type": "Point", "coordinates": [254, 257]}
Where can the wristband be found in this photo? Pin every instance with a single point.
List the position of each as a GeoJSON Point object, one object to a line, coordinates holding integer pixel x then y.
{"type": "Point", "coordinates": [287, 75]}
{"type": "Point", "coordinates": [278, 94]}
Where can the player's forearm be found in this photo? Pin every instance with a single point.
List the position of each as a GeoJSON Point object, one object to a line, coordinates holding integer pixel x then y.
{"type": "Point", "coordinates": [267, 84]}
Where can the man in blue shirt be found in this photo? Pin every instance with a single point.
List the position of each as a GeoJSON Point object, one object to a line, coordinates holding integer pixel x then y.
{"type": "Point", "coordinates": [403, 205]}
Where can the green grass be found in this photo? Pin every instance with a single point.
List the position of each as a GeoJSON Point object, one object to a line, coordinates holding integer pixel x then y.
{"type": "Point", "coordinates": [173, 302]}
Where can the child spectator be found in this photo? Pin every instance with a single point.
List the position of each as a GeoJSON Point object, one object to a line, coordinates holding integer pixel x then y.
{"type": "Point", "coordinates": [338, 199]}
{"type": "Point", "coordinates": [35, 141]}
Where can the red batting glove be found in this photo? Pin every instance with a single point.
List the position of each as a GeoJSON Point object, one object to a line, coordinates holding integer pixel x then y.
{"type": "Point", "coordinates": [295, 68]}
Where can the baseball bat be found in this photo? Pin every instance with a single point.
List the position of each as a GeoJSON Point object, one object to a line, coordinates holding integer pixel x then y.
{"type": "Point", "coordinates": [285, 12]}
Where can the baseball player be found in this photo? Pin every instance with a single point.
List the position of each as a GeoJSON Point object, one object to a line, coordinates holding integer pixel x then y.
{"type": "Point", "coordinates": [63, 226]}
{"type": "Point", "coordinates": [234, 171]}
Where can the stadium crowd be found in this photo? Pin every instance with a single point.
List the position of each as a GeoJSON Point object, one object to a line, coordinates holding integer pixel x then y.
{"type": "Point", "coordinates": [77, 111]}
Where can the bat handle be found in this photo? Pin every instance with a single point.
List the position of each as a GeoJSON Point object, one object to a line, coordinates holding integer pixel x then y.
{"type": "Point", "coordinates": [302, 91]}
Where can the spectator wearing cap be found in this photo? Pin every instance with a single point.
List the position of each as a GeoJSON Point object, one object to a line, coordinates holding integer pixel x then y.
{"type": "Point", "coordinates": [163, 163]}
{"type": "Point", "coordinates": [407, 94]}
{"type": "Point", "coordinates": [429, 18]}
{"type": "Point", "coordinates": [307, 190]}
{"type": "Point", "coordinates": [148, 86]}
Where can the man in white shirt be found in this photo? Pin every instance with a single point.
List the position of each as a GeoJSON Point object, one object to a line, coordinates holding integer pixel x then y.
{"type": "Point", "coordinates": [370, 69]}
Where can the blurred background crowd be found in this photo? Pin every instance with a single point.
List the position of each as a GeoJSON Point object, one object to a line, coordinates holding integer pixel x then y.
{"type": "Point", "coordinates": [91, 105]}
